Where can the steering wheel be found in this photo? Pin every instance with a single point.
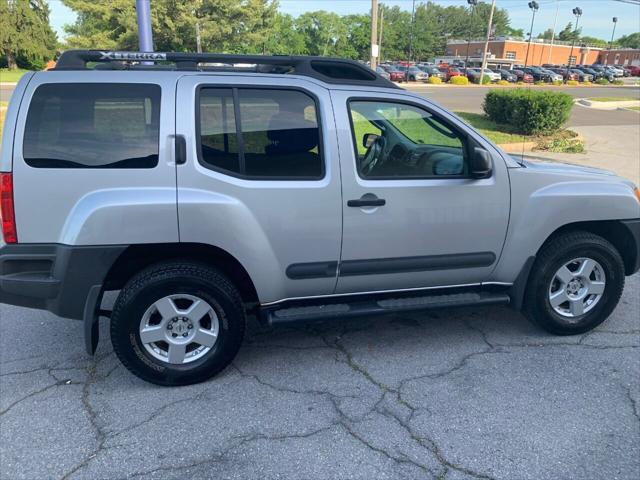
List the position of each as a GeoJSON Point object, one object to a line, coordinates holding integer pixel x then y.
{"type": "Point", "coordinates": [372, 156]}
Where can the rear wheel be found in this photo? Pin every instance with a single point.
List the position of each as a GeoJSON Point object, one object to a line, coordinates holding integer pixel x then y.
{"type": "Point", "coordinates": [177, 323]}
{"type": "Point", "coordinates": [575, 284]}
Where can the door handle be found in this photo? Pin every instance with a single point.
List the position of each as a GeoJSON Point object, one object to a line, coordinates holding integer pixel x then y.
{"type": "Point", "coordinates": [367, 200]}
{"type": "Point", "coordinates": [181, 150]}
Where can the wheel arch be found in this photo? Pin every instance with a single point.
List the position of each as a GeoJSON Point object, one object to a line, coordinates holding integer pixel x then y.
{"type": "Point", "coordinates": [137, 257]}
{"type": "Point", "coordinates": [613, 231]}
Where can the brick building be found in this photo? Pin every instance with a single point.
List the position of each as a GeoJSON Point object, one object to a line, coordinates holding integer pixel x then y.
{"type": "Point", "coordinates": [506, 51]}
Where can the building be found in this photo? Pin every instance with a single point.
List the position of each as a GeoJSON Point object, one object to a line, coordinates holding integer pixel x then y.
{"type": "Point", "coordinates": [504, 52]}
{"type": "Point", "coordinates": [622, 56]}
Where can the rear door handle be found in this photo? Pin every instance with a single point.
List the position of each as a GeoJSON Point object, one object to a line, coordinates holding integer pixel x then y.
{"type": "Point", "coordinates": [367, 200]}
{"type": "Point", "coordinates": [181, 150]}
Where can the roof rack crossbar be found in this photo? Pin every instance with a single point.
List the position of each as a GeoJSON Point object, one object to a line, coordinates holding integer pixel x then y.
{"type": "Point", "coordinates": [326, 69]}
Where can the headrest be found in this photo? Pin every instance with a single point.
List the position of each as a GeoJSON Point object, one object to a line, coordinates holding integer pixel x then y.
{"type": "Point", "coordinates": [291, 133]}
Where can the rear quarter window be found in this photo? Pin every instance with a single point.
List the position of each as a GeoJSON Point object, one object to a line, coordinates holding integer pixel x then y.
{"type": "Point", "coordinates": [93, 125]}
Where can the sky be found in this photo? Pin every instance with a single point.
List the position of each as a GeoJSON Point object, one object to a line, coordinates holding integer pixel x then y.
{"type": "Point", "coordinates": [596, 20]}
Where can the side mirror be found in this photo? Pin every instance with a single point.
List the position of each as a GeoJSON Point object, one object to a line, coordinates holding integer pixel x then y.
{"type": "Point", "coordinates": [481, 164]}
{"type": "Point", "coordinates": [368, 139]}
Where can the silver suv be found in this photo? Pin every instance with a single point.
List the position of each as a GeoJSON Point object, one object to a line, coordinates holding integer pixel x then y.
{"type": "Point", "coordinates": [290, 188]}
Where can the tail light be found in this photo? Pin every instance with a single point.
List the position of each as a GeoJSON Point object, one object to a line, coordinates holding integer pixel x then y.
{"type": "Point", "coordinates": [7, 211]}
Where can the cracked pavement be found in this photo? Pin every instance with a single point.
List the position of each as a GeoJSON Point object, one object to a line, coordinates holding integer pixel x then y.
{"type": "Point", "coordinates": [474, 393]}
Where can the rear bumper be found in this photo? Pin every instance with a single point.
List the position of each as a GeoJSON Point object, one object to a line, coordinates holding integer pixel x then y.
{"type": "Point", "coordinates": [53, 277]}
{"type": "Point", "coordinates": [633, 226]}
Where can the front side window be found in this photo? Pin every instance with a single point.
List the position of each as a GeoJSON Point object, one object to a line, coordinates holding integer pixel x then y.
{"type": "Point", "coordinates": [93, 125]}
{"type": "Point", "coordinates": [260, 133]}
{"type": "Point", "coordinates": [396, 140]}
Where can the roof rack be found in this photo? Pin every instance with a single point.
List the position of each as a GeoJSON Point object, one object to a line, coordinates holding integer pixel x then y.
{"type": "Point", "coordinates": [326, 69]}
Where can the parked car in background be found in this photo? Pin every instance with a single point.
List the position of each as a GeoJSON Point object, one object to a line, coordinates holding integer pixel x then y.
{"type": "Point", "coordinates": [555, 77]}
{"type": "Point", "coordinates": [395, 75]}
{"type": "Point", "coordinates": [601, 72]}
{"type": "Point", "coordinates": [434, 72]}
{"type": "Point", "coordinates": [414, 74]}
{"type": "Point", "coordinates": [582, 76]}
{"type": "Point", "coordinates": [564, 75]}
{"type": "Point", "coordinates": [494, 76]}
{"type": "Point", "coordinates": [449, 72]}
{"type": "Point", "coordinates": [538, 74]}
{"type": "Point", "coordinates": [383, 73]}
{"type": "Point", "coordinates": [507, 75]}
{"type": "Point", "coordinates": [634, 70]}
{"type": "Point", "coordinates": [625, 72]}
{"type": "Point", "coordinates": [473, 74]}
{"type": "Point", "coordinates": [617, 71]}
{"type": "Point", "coordinates": [522, 76]}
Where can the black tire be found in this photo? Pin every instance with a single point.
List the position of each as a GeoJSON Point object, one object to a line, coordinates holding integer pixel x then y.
{"type": "Point", "coordinates": [173, 278]}
{"type": "Point", "coordinates": [552, 256]}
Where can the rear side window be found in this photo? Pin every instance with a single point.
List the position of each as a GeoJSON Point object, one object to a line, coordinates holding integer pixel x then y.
{"type": "Point", "coordinates": [260, 133]}
{"type": "Point", "coordinates": [93, 125]}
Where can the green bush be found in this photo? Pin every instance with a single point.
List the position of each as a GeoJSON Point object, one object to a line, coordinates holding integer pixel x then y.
{"type": "Point", "coordinates": [617, 82]}
{"type": "Point", "coordinates": [503, 82]}
{"type": "Point", "coordinates": [531, 112]}
{"type": "Point", "coordinates": [459, 80]}
{"type": "Point", "coordinates": [573, 83]}
{"type": "Point", "coordinates": [485, 80]}
{"type": "Point", "coordinates": [557, 82]}
{"type": "Point", "coordinates": [434, 80]}
{"type": "Point", "coordinates": [602, 81]}
{"type": "Point", "coordinates": [540, 83]}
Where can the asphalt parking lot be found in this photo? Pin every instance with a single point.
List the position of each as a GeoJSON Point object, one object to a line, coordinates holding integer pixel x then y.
{"type": "Point", "coordinates": [455, 394]}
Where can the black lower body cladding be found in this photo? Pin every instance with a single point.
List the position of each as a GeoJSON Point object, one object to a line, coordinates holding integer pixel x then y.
{"type": "Point", "coordinates": [634, 228]}
{"type": "Point", "coordinates": [53, 277]}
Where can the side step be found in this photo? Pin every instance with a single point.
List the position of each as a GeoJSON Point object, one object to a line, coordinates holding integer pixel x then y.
{"type": "Point", "coordinates": [372, 306]}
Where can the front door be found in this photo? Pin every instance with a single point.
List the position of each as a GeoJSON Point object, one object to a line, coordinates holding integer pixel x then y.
{"type": "Point", "coordinates": [413, 216]}
{"type": "Point", "coordinates": [260, 179]}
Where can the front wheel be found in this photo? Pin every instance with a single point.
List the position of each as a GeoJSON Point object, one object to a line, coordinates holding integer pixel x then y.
{"type": "Point", "coordinates": [575, 284]}
{"type": "Point", "coordinates": [177, 323]}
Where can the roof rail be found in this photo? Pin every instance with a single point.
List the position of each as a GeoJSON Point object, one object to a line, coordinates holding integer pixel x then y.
{"type": "Point", "coordinates": [326, 69]}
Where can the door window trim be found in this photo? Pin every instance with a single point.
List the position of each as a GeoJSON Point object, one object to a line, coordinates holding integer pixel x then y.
{"type": "Point", "coordinates": [468, 141]}
{"type": "Point", "coordinates": [238, 125]}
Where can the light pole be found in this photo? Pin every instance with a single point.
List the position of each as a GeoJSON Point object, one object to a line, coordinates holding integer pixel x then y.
{"type": "Point", "coordinates": [472, 4]}
{"type": "Point", "coordinates": [534, 7]}
{"type": "Point", "coordinates": [413, 16]}
{"type": "Point", "coordinates": [578, 13]}
{"type": "Point", "coordinates": [145, 38]}
{"type": "Point", "coordinates": [615, 22]}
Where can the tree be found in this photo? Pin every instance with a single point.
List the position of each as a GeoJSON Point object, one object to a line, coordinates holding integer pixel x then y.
{"type": "Point", "coordinates": [629, 41]}
{"type": "Point", "coordinates": [25, 33]}
{"type": "Point", "coordinates": [547, 34]}
{"type": "Point", "coordinates": [233, 27]}
{"type": "Point", "coordinates": [567, 34]}
{"type": "Point", "coordinates": [594, 41]}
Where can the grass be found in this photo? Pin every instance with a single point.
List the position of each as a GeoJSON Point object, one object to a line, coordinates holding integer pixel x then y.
{"type": "Point", "coordinates": [495, 132]}
{"type": "Point", "coordinates": [612, 99]}
{"type": "Point", "coordinates": [562, 141]}
{"type": "Point", "coordinates": [7, 75]}
{"type": "Point", "coordinates": [637, 109]}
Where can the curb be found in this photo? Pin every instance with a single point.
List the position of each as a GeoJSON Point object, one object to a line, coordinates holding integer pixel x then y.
{"type": "Point", "coordinates": [585, 102]}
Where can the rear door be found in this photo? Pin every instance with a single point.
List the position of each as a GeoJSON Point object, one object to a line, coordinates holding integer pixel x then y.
{"type": "Point", "coordinates": [260, 179]}
{"type": "Point", "coordinates": [92, 163]}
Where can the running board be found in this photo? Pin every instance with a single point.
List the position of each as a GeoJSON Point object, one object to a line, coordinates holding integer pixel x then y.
{"type": "Point", "coordinates": [370, 306]}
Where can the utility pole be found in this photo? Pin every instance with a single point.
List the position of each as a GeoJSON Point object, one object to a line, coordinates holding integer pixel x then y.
{"type": "Point", "coordinates": [374, 34]}
{"type": "Point", "coordinates": [553, 32]}
{"type": "Point", "coordinates": [198, 41]}
{"type": "Point", "coordinates": [534, 7]}
{"type": "Point", "coordinates": [486, 43]}
{"type": "Point", "coordinates": [413, 21]}
{"type": "Point", "coordinates": [380, 34]}
{"type": "Point", "coordinates": [145, 37]}
{"type": "Point", "coordinates": [606, 58]}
